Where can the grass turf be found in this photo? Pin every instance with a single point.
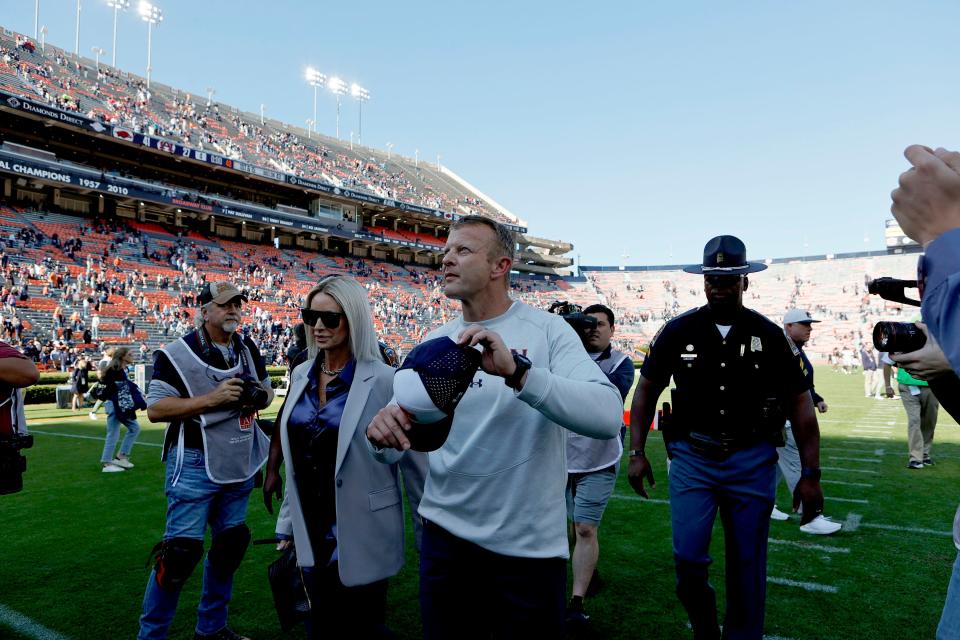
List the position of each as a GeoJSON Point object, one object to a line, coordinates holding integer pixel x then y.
{"type": "Point", "coordinates": [75, 540]}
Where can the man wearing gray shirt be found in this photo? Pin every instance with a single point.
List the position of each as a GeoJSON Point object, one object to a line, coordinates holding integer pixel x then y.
{"type": "Point", "coordinates": [494, 549]}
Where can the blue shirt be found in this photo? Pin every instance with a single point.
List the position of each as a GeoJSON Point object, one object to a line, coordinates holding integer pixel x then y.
{"type": "Point", "coordinates": [308, 414]}
{"type": "Point", "coordinates": [940, 276]}
{"type": "Point", "coordinates": [313, 432]}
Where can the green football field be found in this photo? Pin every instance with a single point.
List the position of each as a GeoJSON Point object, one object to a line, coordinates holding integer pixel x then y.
{"type": "Point", "coordinates": [74, 543]}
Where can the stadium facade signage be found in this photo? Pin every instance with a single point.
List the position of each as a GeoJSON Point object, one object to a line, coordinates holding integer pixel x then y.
{"type": "Point", "coordinates": [257, 170]}
{"type": "Point", "coordinates": [189, 204]}
{"type": "Point", "coordinates": [35, 172]}
{"type": "Point", "coordinates": [311, 184]}
{"type": "Point", "coordinates": [41, 109]}
{"type": "Point", "coordinates": [174, 148]}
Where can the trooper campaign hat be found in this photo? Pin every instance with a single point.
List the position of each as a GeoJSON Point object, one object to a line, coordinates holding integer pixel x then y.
{"type": "Point", "coordinates": [429, 385]}
{"type": "Point", "coordinates": [220, 292]}
{"type": "Point", "coordinates": [725, 256]}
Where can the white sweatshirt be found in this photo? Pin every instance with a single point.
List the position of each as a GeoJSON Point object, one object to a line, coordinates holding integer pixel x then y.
{"type": "Point", "coordinates": [499, 479]}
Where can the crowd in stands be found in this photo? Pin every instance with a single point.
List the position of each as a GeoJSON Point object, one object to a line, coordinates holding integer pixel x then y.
{"type": "Point", "coordinates": [71, 285]}
{"type": "Point", "coordinates": [121, 99]}
{"type": "Point", "coordinates": [832, 290]}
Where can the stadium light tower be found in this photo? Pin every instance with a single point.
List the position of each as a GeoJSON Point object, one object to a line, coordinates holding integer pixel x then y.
{"type": "Point", "coordinates": [152, 15]}
{"type": "Point", "coordinates": [263, 109]}
{"type": "Point", "coordinates": [338, 87]}
{"type": "Point", "coordinates": [36, 20]}
{"type": "Point", "coordinates": [97, 51]}
{"type": "Point", "coordinates": [210, 92]}
{"type": "Point", "coordinates": [117, 6]}
{"type": "Point", "coordinates": [361, 95]}
{"type": "Point", "coordinates": [76, 44]}
{"type": "Point", "coordinates": [43, 38]}
{"type": "Point", "coordinates": [316, 80]}
{"type": "Point", "coordinates": [310, 124]}
{"type": "Point", "coordinates": [389, 147]}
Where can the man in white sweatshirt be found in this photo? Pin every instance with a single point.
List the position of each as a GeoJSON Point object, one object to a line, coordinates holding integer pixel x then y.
{"type": "Point", "coordinates": [494, 548]}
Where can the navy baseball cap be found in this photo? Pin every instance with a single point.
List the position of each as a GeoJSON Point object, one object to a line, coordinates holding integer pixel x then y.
{"type": "Point", "coordinates": [428, 386]}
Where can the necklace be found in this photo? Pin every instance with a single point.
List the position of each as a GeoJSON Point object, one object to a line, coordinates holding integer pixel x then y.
{"type": "Point", "coordinates": [335, 372]}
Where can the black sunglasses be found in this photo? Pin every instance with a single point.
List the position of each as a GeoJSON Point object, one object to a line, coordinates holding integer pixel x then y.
{"type": "Point", "coordinates": [330, 319]}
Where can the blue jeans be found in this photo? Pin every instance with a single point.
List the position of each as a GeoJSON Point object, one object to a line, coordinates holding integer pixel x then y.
{"type": "Point", "coordinates": [113, 433]}
{"type": "Point", "coordinates": [949, 628]}
{"type": "Point", "coordinates": [742, 489]}
{"type": "Point", "coordinates": [194, 502]}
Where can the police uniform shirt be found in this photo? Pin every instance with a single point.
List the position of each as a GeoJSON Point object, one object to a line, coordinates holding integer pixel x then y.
{"type": "Point", "coordinates": [723, 381]}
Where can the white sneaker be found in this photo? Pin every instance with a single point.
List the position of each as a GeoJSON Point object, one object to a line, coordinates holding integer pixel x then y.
{"type": "Point", "coordinates": [122, 462]}
{"type": "Point", "coordinates": [776, 514]}
{"type": "Point", "coordinates": [821, 526]}
{"type": "Point", "coordinates": [92, 415]}
{"type": "Point", "coordinates": [111, 468]}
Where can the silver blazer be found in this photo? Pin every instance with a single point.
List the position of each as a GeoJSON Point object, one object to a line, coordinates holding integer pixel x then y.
{"type": "Point", "coordinates": [368, 496]}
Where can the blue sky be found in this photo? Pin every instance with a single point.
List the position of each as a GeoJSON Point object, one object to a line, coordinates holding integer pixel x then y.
{"type": "Point", "coordinates": [639, 127]}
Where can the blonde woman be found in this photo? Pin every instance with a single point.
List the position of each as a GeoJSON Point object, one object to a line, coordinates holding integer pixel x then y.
{"type": "Point", "coordinates": [342, 510]}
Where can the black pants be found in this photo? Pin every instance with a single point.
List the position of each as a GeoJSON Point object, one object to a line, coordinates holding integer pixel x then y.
{"type": "Point", "coordinates": [469, 592]}
{"type": "Point", "coordinates": [349, 612]}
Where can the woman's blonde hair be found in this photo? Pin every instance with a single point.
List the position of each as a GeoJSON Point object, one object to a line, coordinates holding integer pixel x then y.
{"type": "Point", "coordinates": [352, 298]}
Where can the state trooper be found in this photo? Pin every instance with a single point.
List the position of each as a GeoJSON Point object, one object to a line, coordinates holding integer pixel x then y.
{"type": "Point", "coordinates": [737, 379]}
{"type": "Point", "coordinates": [208, 386]}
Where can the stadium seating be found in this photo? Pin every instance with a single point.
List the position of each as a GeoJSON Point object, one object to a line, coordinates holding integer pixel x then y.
{"type": "Point", "coordinates": [122, 99]}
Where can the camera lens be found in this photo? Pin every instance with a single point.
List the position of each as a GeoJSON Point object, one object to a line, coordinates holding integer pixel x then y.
{"type": "Point", "coordinates": [898, 337]}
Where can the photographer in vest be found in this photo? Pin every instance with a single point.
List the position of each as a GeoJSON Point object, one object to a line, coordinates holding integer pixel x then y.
{"type": "Point", "coordinates": [592, 466]}
{"type": "Point", "coordinates": [208, 386]}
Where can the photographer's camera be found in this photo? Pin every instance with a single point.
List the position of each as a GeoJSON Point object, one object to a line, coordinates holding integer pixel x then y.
{"type": "Point", "coordinates": [12, 462]}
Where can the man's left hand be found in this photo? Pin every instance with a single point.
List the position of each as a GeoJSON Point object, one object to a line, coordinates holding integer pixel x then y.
{"type": "Point", "coordinates": [927, 203]}
{"type": "Point", "coordinates": [925, 363]}
{"type": "Point", "coordinates": [497, 358]}
{"type": "Point", "coordinates": [822, 406]}
{"type": "Point", "coordinates": [810, 495]}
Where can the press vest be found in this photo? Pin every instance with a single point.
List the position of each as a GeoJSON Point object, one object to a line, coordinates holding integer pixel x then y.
{"type": "Point", "coordinates": [235, 447]}
{"type": "Point", "coordinates": [589, 454]}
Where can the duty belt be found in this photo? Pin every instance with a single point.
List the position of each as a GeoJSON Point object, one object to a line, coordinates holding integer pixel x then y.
{"type": "Point", "coordinates": [719, 446]}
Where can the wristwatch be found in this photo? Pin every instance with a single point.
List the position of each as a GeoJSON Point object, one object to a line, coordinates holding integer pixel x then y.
{"type": "Point", "coordinates": [810, 472]}
{"type": "Point", "coordinates": [523, 365]}
{"type": "Point", "coordinates": [637, 453]}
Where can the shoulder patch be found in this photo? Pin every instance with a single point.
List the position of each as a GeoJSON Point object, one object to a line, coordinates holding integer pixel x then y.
{"type": "Point", "coordinates": [653, 340]}
{"type": "Point", "coordinates": [793, 347]}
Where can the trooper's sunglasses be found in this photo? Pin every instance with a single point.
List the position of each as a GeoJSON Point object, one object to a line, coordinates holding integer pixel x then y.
{"type": "Point", "coordinates": [722, 282]}
{"type": "Point", "coordinates": [330, 319]}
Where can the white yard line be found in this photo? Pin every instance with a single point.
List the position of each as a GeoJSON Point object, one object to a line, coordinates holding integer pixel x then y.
{"type": "Point", "coordinates": [865, 485]}
{"type": "Point", "coordinates": [79, 437]}
{"type": "Point", "coordinates": [809, 546]}
{"type": "Point", "coordinates": [894, 527]}
{"type": "Point", "coordinates": [866, 437]}
{"type": "Point", "coordinates": [845, 470]}
{"type": "Point", "coordinates": [854, 500]}
{"type": "Point", "coordinates": [25, 626]}
{"type": "Point", "coordinates": [806, 586]}
{"type": "Point", "coordinates": [619, 496]}
{"type": "Point", "coordinates": [855, 521]}
{"type": "Point", "coordinates": [871, 460]}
